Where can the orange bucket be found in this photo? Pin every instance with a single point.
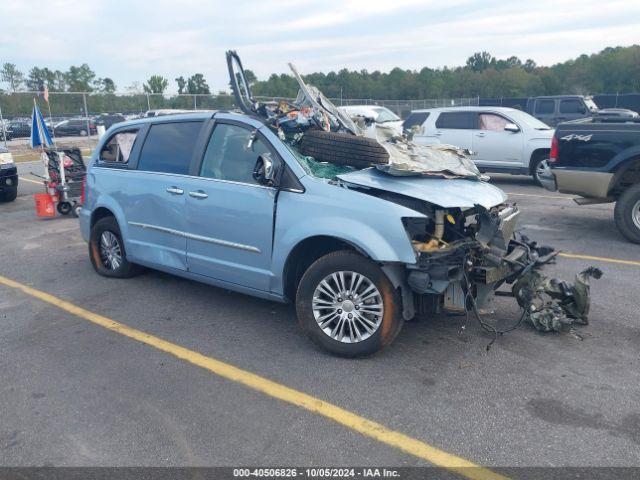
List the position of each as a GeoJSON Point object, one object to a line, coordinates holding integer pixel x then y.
{"type": "Point", "coordinates": [44, 205]}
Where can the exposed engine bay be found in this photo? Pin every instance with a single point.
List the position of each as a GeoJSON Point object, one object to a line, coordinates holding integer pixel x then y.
{"type": "Point", "coordinates": [466, 246]}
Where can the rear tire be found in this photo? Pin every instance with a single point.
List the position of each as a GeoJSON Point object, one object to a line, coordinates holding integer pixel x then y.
{"type": "Point", "coordinates": [323, 305]}
{"type": "Point", "coordinates": [627, 213]}
{"type": "Point", "coordinates": [9, 194]}
{"type": "Point", "coordinates": [107, 252]}
{"type": "Point", "coordinates": [538, 166]}
{"type": "Point", "coordinates": [343, 149]}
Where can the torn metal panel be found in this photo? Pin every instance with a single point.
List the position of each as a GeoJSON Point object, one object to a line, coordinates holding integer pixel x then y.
{"type": "Point", "coordinates": [407, 158]}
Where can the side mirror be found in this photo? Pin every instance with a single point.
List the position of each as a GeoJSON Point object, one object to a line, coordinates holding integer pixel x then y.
{"type": "Point", "coordinates": [264, 171]}
{"type": "Point", "coordinates": [511, 127]}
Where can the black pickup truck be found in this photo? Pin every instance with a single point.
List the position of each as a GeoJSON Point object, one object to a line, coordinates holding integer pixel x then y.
{"type": "Point", "coordinates": [600, 161]}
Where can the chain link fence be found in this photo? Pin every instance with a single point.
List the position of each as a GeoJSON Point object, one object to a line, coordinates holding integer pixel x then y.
{"type": "Point", "coordinates": [17, 106]}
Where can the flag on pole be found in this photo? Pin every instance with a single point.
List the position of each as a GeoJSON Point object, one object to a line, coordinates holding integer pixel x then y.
{"type": "Point", "coordinates": [39, 132]}
{"type": "Point", "coordinates": [45, 93]}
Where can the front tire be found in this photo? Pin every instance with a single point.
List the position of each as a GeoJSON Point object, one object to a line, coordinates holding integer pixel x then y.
{"type": "Point", "coordinates": [9, 194]}
{"type": "Point", "coordinates": [107, 252]}
{"type": "Point", "coordinates": [347, 305]}
{"type": "Point", "coordinates": [627, 213]}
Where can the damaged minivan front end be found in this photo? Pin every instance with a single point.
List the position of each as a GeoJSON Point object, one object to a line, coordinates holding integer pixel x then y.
{"type": "Point", "coordinates": [463, 236]}
{"type": "Point", "coordinates": [464, 240]}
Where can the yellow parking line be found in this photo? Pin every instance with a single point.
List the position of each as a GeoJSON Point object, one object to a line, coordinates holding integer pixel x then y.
{"type": "Point", "coordinates": [600, 259]}
{"type": "Point", "coordinates": [307, 402]}
{"type": "Point", "coordinates": [556, 197]}
{"type": "Point", "coordinates": [29, 180]}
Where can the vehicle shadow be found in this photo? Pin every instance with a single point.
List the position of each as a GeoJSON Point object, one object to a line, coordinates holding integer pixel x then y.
{"type": "Point", "coordinates": [524, 180]}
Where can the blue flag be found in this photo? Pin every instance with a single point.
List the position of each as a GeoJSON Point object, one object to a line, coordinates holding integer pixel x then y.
{"type": "Point", "coordinates": [39, 132]}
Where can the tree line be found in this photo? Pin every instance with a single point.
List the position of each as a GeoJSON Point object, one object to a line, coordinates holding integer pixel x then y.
{"type": "Point", "coordinates": [614, 69]}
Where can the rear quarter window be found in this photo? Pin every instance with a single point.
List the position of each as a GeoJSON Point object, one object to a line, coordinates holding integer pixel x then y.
{"type": "Point", "coordinates": [117, 150]}
{"type": "Point", "coordinates": [456, 120]}
{"type": "Point", "coordinates": [169, 147]}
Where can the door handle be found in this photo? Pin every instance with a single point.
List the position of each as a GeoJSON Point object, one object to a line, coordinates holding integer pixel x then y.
{"type": "Point", "coordinates": [481, 134]}
{"type": "Point", "coordinates": [437, 134]}
{"type": "Point", "coordinates": [198, 194]}
{"type": "Point", "coordinates": [175, 191]}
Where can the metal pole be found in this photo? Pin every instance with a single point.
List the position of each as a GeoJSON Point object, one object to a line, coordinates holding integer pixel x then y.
{"type": "Point", "coordinates": [148, 104]}
{"type": "Point", "coordinates": [86, 114]}
{"type": "Point", "coordinates": [53, 133]}
{"type": "Point", "coordinates": [4, 131]}
{"type": "Point", "coordinates": [195, 102]}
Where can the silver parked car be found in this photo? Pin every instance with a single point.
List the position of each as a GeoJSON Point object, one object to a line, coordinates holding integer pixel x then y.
{"type": "Point", "coordinates": [502, 140]}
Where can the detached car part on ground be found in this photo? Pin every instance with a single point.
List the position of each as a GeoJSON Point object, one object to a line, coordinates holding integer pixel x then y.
{"type": "Point", "coordinates": [465, 251]}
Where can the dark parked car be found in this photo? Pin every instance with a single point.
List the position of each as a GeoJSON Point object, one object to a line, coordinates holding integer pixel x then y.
{"type": "Point", "coordinates": [598, 160]}
{"type": "Point", "coordinates": [5, 134]}
{"type": "Point", "coordinates": [109, 119]}
{"type": "Point", "coordinates": [8, 176]}
{"type": "Point", "coordinates": [19, 129]}
{"type": "Point", "coordinates": [74, 127]}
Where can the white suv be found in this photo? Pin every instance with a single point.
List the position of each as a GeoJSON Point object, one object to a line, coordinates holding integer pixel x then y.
{"type": "Point", "coordinates": [500, 139]}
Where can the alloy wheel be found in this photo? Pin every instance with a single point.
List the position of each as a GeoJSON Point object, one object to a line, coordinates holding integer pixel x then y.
{"type": "Point", "coordinates": [110, 250]}
{"type": "Point", "coordinates": [635, 214]}
{"type": "Point", "coordinates": [347, 306]}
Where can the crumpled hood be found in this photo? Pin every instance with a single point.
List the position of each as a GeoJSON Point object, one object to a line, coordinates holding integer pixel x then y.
{"type": "Point", "coordinates": [446, 193]}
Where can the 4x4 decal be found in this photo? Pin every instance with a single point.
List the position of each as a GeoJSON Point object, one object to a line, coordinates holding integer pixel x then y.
{"type": "Point", "coordinates": [573, 136]}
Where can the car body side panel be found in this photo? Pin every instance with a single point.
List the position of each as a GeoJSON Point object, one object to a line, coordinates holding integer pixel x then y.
{"type": "Point", "coordinates": [372, 225]}
{"type": "Point", "coordinates": [151, 219]}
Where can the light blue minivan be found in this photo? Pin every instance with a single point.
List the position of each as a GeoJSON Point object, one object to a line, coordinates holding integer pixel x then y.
{"type": "Point", "coordinates": [220, 198]}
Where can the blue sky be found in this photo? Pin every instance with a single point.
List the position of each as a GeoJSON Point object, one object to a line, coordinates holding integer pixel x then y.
{"type": "Point", "coordinates": [129, 40]}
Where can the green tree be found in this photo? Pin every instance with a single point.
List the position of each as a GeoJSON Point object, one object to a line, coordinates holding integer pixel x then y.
{"type": "Point", "coordinates": [480, 61]}
{"type": "Point", "coordinates": [59, 81]}
{"type": "Point", "coordinates": [80, 79]}
{"type": "Point", "coordinates": [156, 84]}
{"type": "Point", "coordinates": [39, 77]}
{"type": "Point", "coordinates": [182, 83]}
{"type": "Point", "coordinates": [105, 85]}
{"type": "Point", "coordinates": [197, 84]}
{"type": "Point", "coordinates": [12, 76]}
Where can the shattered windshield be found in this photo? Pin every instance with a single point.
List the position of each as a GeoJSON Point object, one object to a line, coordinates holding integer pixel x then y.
{"type": "Point", "coordinates": [315, 168]}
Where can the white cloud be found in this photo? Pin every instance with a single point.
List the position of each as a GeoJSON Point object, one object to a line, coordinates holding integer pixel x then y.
{"type": "Point", "coordinates": [133, 40]}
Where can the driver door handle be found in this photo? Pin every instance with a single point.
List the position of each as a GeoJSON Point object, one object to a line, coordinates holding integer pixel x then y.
{"type": "Point", "coordinates": [175, 191]}
{"type": "Point", "coordinates": [481, 134]}
{"type": "Point", "coordinates": [198, 194]}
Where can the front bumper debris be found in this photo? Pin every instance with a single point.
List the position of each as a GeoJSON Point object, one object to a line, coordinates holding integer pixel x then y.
{"type": "Point", "coordinates": [465, 276]}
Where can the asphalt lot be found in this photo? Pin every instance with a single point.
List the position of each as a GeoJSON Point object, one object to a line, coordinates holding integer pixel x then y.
{"type": "Point", "coordinates": [76, 394]}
